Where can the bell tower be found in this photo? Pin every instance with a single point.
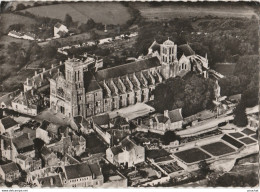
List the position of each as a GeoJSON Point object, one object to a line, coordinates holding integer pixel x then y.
{"type": "Point", "coordinates": [168, 53]}
{"type": "Point", "coordinates": [74, 74]}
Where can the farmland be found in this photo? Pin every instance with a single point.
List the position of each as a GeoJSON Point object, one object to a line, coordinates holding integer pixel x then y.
{"type": "Point", "coordinates": [217, 148]}
{"type": "Point", "coordinates": [8, 19]}
{"type": "Point", "coordinates": [106, 13]}
{"type": "Point", "coordinates": [171, 11]}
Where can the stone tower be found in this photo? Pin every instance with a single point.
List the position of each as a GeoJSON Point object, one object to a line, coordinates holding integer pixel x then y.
{"type": "Point", "coordinates": [168, 52]}
{"type": "Point", "coordinates": [74, 74]}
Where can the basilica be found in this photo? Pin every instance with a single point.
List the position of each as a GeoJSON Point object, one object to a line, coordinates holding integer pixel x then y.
{"type": "Point", "coordinates": [80, 90]}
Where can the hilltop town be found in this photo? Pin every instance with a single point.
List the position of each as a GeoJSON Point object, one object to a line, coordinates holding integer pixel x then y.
{"type": "Point", "coordinates": [160, 118]}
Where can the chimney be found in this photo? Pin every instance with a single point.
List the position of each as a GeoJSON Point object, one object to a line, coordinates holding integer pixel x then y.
{"type": "Point", "coordinates": [166, 113]}
{"type": "Point", "coordinates": [35, 73]}
{"type": "Point", "coordinates": [52, 66]}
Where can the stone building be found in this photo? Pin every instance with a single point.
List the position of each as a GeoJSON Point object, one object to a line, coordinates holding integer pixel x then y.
{"type": "Point", "coordinates": [80, 91]}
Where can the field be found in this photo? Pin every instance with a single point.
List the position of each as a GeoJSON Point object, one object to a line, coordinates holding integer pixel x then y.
{"type": "Point", "coordinates": [217, 148]}
{"type": "Point", "coordinates": [8, 19]}
{"type": "Point", "coordinates": [106, 13]}
{"type": "Point", "coordinates": [192, 155]}
{"type": "Point", "coordinates": [247, 140]}
{"type": "Point", "coordinates": [171, 11]}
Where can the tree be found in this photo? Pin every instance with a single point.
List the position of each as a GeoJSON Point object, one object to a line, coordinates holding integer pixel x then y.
{"type": "Point", "coordinates": [240, 117]}
{"type": "Point", "coordinates": [204, 168]}
{"type": "Point", "coordinates": [20, 6]}
{"type": "Point", "coordinates": [169, 136]}
{"type": "Point", "coordinates": [143, 173]}
{"type": "Point", "coordinates": [68, 20]}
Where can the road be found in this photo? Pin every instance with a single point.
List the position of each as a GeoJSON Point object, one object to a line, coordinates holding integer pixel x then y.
{"type": "Point", "coordinates": [211, 123]}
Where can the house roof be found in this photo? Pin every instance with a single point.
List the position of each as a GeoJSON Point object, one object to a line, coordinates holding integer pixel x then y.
{"type": "Point", "coordinates": [22, 157]}
{"type": "Point", "coordinates": [162, 119]}
{"type": "Point", "coordinates": [175, 115]}
{"type": "Point", "coordinates": [101, 119]}
{"type": "Point", "coordinates": [116, 150]}
{"type": "Point", "coordinates": [9, 167]}
{"type": "Point", "coordinates": [45, 151]}
{"type": "Point", "coordinates": [128, 68]}
{"type": "Point", "coordinates": [127, 144]}
{"type": "Point", "coordinates": [45, 125]}
{"type": "Point", "coordinates": [77, 171]}
{"type": "Point", "coordinates": [185, 49]}
{"type": "Point", "coordinates": [90, 82]}
{"type": "Point", "coordinates": [23, 143]}
{"type": "Point", "coordinates": [70, 159]}
{"type": "Point", "coordinates": [95, 169]}
{"type": "Point", "coordinates": [51, 181]}
{"type": "Point", "coordinates": [58, 25]}
{"type": "Point", "coordinates": [8, 122]}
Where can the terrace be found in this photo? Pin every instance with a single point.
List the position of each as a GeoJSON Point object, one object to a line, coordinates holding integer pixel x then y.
{"type": "Point", "coordinates": [232, 141]}
{"type": "Point", "coordinates": [247, 140]}
{"type": "Point", "coordinates": [218, 149]}
{"type": "Point", "coordinates": [236, 135]}
{"type": "Point", "coordinates": [248, 131]}
{"type": "Point", "coordinates": [192, 155]}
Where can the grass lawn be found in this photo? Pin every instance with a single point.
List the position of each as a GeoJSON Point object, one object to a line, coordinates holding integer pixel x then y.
{"type": "Point", "coordinates": [247, 140]}
{"type": "Point", "coordinates": [106, 13]}
{"type": "Point", "coordinates": [192, 155]}
{"type": "Point", "coordinates": [236, 135]}
{"type": "Point", "coordinates": [217, 148]}
{"type": "Point", "coordinates": [248, 131]}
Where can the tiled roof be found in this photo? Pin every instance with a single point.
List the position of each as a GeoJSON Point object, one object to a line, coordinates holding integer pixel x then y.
{"type": "Point", "coordinates": [101, 119]}
{"type": "Point", "coordinates": [128, 68]}
{"type": "Point", "coordinates": [175, 115]}
{"type": "Point", "coordinates": [90, 82]}
{"type": "Point", "coordinates": [77, 171]}
{"type": "Point", "coordinates": [23, 143]}
{"type": "Point", "coordinates": [162, 118]}
{"type": "Point", "coordinates": [185, 49]}
{"type": "Point", "coordinates": [10, 167]}
{"type": "Point", "coordinates": [8, 122]}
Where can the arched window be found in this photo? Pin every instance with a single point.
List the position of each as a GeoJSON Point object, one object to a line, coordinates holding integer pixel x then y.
{"type": "Point", "coordinates": [182, 67]}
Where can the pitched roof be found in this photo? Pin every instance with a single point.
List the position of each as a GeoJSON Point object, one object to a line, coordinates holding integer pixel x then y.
{"type": "Point", "coordinates": [10, 167]}
{"type": "Point", "coordinates": [90, 82]}
{"type": "Point", "coordinates": [95, 169]}
{"type": "Point", "coordinates": [116, 150]}
{"type": "Point", "coordinates": [23, 143]}
{"type": "Point", "coordinates": [128, 68]}
{"type": "Point", "coordinates": [45, 151]}
{"type": "Point", "coordinates": [8, 122]}
{"type": "Point", "coordinates": [162, 119]}
{"type": "Point", "coordinates": [58, 25]}
{"type": "Point", "coordinates": [51, 181]}
{"type": "Point", "coordinates": [101, 119]}
{"type": "Point", "coordinates": [127, 144]}
{"type": "Point", "coordinates": [186, 50]}
{"type": "Point", "coordinates": [77, 171]}
{"type": "Point", "coordinates": [45, 125]}
{"type": "Point", "coordinates": [175, 115]}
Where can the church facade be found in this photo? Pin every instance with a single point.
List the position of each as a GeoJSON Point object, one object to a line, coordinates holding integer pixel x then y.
{"type": "Point", "coordinates": [82, 91]}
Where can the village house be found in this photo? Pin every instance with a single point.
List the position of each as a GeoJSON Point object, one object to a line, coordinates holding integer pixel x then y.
{"type": "Point", "coordinates": [79, 123]}
{"type": "Point", "coordinates": [48, 132]}
{"type": "Point", "coordinates": [29, 36]}
{"type": "Point", "coordinates": [12, 147]}
{"type": "Point", "coordinates": [28, 163]}
{"type": "Point", "coordinates": [127, 153]}
{"type": "Point", "coordinates": [49, 181]}
{"type": "Point", "coordinates": [8, 126]}
{"type": "Point", "coordinates": [28, 102]}
{"type": "Point", "coordinates": [59, 28]}
{"type": "Point", "coordinates": [15, 34]}
{"type": "Point", "coordinates": [49, 157]}
{"type": "Point", "coordinates": [83, 175]}
{"type": "Point", "coordinates": [9, 172]}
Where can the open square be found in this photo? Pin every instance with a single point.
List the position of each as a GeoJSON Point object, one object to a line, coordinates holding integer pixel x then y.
{"type": "Point", "coordinates": [192, 155]}
{"type": "Point", "coordinates": [217, 148]}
